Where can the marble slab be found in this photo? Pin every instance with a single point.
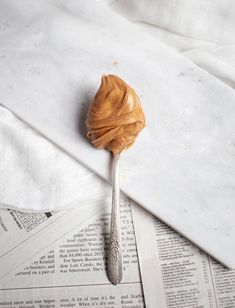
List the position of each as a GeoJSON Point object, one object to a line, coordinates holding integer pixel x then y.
{"type": "Point", "coordinates": [182, 167]}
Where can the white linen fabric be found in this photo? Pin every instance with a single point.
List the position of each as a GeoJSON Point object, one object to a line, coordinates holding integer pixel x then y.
{"type": "Point", "coordinates": [201, 30]}
{"type": "Point", "coordinates": [35, 175]}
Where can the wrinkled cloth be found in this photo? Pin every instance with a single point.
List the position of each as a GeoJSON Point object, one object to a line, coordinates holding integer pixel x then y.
{"type": "Point", "coordinates": [201, 30]}
{"type": "Point", "coordinates": [36, 175]}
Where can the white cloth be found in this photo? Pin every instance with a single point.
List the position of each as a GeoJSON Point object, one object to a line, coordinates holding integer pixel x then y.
{"type": "Point", "coordinates": [201, 30]}
{"type": "Point", "coordinates": [36, 175]}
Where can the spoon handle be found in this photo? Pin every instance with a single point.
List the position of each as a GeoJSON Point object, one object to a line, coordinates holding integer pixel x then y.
{"type": "Point", "coordinates": [115, 249]}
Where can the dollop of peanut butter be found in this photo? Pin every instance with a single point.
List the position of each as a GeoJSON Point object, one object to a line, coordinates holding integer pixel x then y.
{"type": "Point", "coordinates": [115, 117]}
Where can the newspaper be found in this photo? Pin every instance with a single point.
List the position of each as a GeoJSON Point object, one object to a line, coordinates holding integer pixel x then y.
{"type": "Point", "coordinates": [71, 272]}
{"type": "Point", "coordinates": [31, 232]}
{"type": "Point", "coordinates": [175, 273]}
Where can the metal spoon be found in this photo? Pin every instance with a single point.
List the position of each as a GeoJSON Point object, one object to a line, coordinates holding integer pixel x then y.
{"type": "Point", "coordinates": [115, 249]}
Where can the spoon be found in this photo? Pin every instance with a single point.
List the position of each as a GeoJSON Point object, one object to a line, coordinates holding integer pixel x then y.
{"type": "Point", "coordinates": [114, 120]}
{"type": "Point", "coordinates": [115, 250]}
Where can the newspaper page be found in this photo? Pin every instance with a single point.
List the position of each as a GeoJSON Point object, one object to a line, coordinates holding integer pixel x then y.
{"type": "Point", "coordinates": [31, 232]}
{"type": "Point", "coordinates": [72, 271]}
{"type": "Point", "coordinates": [175, 273]}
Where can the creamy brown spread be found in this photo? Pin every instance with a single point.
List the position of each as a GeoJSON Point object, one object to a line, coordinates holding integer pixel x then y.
{"type": "Point", "coordinates": [115, 117]}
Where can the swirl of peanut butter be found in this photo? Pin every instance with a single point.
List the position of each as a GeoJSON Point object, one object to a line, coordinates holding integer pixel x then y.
{"type": "Point", "coordinates": [115, 117]}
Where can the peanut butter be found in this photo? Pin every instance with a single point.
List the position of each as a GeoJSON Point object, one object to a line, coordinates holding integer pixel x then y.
{"type": "Point", "coordinates": [115, 117]}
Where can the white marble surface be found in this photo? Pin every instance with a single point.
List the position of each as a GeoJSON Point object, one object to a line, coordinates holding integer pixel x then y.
{"type": "Point", "coordinates": [181, 168]}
